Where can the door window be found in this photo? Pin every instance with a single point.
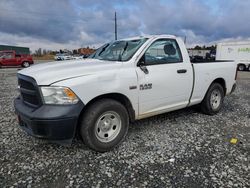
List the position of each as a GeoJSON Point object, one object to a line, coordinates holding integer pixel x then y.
{"type": "Point", "coordinates": [1, 55]}
{"type": "Point", "coordinates": [8, 55]}
{"type": "Point", "coordinates": [163, 51]}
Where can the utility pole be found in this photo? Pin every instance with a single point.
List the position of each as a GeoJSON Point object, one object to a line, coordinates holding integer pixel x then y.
{"type": "Point", "coordinates": [115, 28]}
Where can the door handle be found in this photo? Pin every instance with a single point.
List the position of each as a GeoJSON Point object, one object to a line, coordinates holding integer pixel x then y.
{"type": "Point", "coordinates": [181, 71]}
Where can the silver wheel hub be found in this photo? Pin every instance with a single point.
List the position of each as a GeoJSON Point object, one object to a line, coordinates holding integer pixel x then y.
{"type": "Point", "coordinates": [215, 99]}
{"type": "Point", "coordinates": [108, 126]}
{"type": "Point", "coordinates": [241, 67]}
{"type": "Point", "coordinates": [26, 64]}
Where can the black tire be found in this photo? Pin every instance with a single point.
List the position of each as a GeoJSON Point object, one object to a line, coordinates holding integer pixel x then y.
{"type": "Point", "coordinates": [90, 119]}
{"type": "Point", "coordinates": [25, 64]}
{"type": "Point", "coordinates": [241, 67]}
{"type": "Point", "coordinates": [207, 104]}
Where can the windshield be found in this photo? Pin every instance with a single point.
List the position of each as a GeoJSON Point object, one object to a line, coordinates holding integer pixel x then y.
{"type": "Point", "coordinates": [118, 50]}
{"type": "Point", "coordinates": [98, 51]}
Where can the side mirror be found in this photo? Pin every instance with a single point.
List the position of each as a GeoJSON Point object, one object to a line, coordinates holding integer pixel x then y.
{"type": "Point", "coordinates": [142, 60]}
{"type": "Point", "coordinates": [142, 65]}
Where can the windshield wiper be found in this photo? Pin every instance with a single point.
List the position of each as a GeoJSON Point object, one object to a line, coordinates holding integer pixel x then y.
{"type": "Point", "coordinates": [121, 54]}
{"type": "Point", "coordinates": [102, 50]}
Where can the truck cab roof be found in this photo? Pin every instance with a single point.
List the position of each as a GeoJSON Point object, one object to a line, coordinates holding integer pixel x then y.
{"type": "Point", "coordinates": [149, 37]}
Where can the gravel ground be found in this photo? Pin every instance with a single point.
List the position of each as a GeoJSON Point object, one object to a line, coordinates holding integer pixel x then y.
{"type": "Point", "coordinates": [179, 149]}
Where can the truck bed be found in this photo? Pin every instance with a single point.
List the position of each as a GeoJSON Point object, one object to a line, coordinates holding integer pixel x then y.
{"type": "Point", "coordinates": [206, 72]}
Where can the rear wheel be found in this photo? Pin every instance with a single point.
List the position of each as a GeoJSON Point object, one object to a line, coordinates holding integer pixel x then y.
{"type": "Point", "coordinates": [104, 125]}
{"type": "Point", "coordinates": [213, 100]}
{"type": "Point", "coordinates": [241, 67]}
{"type": "Point", "coordinates": [25, 64]}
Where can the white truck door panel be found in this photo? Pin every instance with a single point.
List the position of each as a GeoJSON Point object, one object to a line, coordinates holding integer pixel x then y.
{"type": "Point", "coordinates": [169, 89]}
{"type": "Point", "coordinates": [163, 88]}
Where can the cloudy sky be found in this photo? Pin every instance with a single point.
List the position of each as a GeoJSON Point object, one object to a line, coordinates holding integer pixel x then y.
{"type": "Point", "coordinates": [59, 24]}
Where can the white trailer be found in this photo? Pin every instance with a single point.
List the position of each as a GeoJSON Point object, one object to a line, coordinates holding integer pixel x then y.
{"type": "Point", "coordinates": [238, 51]}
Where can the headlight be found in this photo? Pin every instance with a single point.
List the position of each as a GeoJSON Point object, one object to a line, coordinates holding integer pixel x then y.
{"type": "Point", "coordinates": [58, 95]}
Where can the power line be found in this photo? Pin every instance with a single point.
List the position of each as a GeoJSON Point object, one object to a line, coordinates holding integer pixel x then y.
{"type": "Point", "coordinates": [115, 27]}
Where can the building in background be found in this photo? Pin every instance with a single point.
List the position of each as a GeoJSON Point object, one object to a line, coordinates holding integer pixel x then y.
{"type": "Point", "coordinates": [17, 49]}
{"type": "Point", "coordinates": [86, 51]}
{"type": "Point", "coordinates": [201, 53]}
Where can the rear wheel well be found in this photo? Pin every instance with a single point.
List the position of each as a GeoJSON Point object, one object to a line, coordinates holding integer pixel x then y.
{"type": "Point", "coordinates": [242, 64]}
{"type": "Point", "coordinates": [222, 82]}
{"type": "Point", "coordinates": [25, 61]}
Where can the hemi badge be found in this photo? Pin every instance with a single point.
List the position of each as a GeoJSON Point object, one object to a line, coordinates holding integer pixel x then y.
{"type": "Point", "coordinates": [132, 87]}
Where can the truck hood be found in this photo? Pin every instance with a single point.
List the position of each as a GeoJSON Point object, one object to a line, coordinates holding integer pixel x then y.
{"type": "Point", "coordinates": [52, 72]}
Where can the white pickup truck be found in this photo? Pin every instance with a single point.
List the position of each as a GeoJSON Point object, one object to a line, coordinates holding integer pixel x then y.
{"type": "Point", "coordinates": [122, 81]}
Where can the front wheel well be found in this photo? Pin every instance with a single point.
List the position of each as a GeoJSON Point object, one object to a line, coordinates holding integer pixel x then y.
{"type": "Point", "coordinates": [117, 97]}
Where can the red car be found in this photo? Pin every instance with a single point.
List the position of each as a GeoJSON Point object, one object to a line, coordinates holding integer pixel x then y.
{"type": "Point", "coordinates": [10, 58]}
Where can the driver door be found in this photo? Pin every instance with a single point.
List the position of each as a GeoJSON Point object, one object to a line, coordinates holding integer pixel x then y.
{"type": "Point", "coordinates": [165, 81]}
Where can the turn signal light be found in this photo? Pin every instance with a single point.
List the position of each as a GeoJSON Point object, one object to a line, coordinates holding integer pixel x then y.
{"type": "Point", "coordinates": [71, 95]}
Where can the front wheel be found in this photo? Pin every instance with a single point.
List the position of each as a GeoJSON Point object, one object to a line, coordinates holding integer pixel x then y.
{"type": "Point", "coordinates": [104, 125]}
{"type": "Point", "coordinates": [213, 100]}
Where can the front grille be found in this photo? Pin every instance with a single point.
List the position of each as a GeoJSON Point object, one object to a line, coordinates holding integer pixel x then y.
{"type": "Point", "coordinates": [25, 84]}
{"type": "Point", "coordinates": [30, 99]}
{"type": "Point", "coordinates": [29, 91]}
